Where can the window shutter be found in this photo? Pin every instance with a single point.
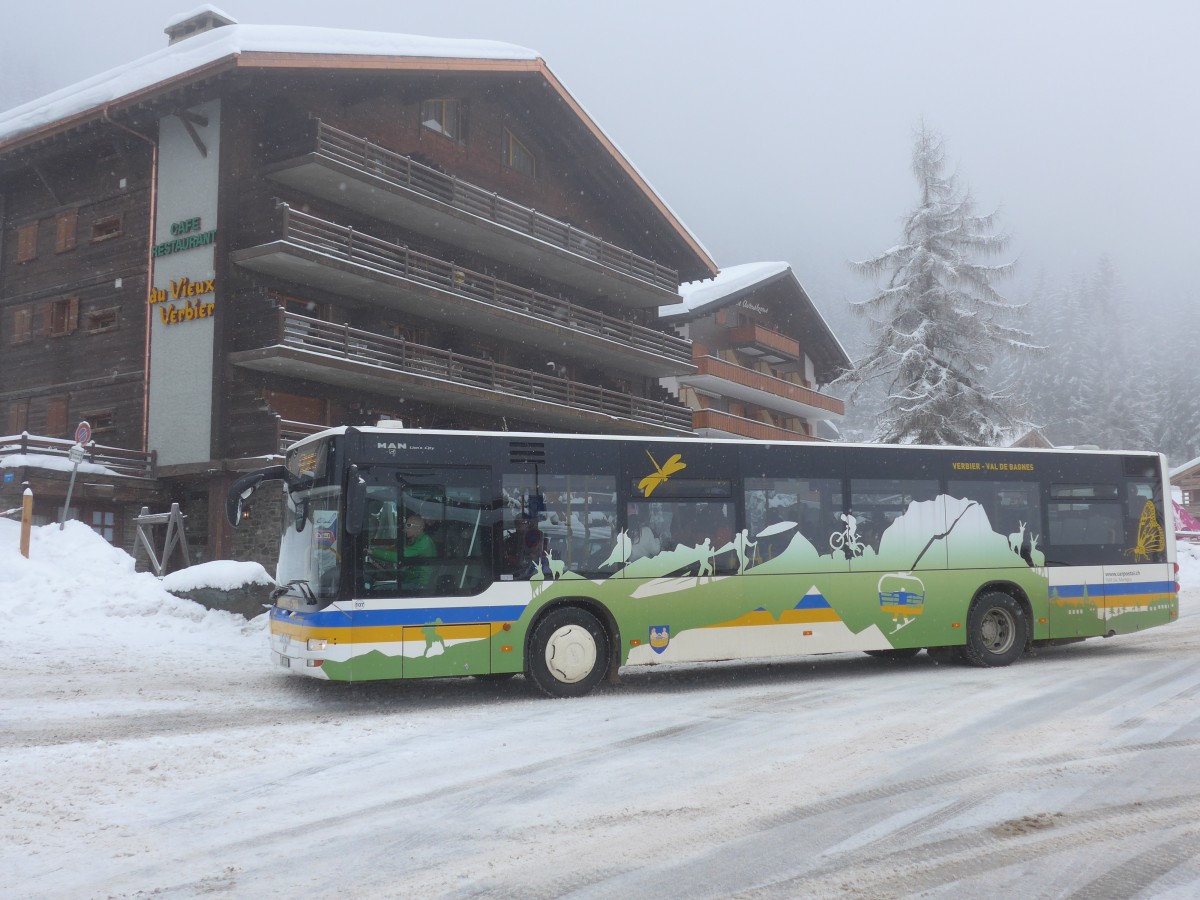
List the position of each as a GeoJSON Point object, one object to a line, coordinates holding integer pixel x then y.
{"type": "Point", "coordinates": [56, 417]}
{"type": "Point", "coordinates": [47, 319]}
{"type": "Point", "coordinates": [27, 242]}
{"type": "Point", "coordinates": [72, 314]}
{"type": "Point", "coordinates": [64, 231]}
{"type": "Point", "coordinates": [22, 325]}
{"type": "Point", "coordinates": [18, 416]}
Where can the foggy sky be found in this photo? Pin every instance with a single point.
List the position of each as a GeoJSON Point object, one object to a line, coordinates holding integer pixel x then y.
{"type": "Point", "coordinates": [783, 131]}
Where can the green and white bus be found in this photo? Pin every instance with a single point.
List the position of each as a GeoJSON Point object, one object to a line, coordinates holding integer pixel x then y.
{"type": "Point", "coordinates": [416, 554]}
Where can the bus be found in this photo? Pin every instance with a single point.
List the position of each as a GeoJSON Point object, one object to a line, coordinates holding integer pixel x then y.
{"type": "Point", "coordinates": [422, 553]}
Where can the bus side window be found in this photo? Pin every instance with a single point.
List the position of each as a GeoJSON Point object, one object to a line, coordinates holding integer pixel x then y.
{"type": "Point", "coordinates": [780, 510]}
{"type": "Point", "coordinates": [1086, 524]}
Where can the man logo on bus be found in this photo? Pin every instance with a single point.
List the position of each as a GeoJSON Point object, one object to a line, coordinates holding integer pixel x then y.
{"type": "Point", "coordinates": [660, 636]}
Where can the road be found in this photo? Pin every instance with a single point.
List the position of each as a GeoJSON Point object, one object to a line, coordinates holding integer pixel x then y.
{"type": "Point", "coordinates": [197, 770]}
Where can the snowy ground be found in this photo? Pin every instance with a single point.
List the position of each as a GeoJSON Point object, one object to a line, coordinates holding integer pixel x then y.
{"type": "Point", "coordinates": [147, 748]}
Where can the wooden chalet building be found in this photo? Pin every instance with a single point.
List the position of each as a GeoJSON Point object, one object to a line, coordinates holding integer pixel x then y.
{"type": "Point", "coordinates": [762, 353]}
{"type": "Point", "coordinates": [257, 232]}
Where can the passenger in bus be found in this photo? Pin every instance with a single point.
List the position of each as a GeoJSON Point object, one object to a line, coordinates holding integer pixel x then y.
{"type": "Point", "coordinates": [523, 548]}
{"type": "Point", "coordinates": [645, 544]}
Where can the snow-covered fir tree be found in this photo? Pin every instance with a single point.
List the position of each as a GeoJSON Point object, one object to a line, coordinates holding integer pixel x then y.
{"type": "Point", "coordinates": [938, 323]}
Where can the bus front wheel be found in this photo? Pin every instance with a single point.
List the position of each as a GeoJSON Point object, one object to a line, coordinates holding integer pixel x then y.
{"type": "Point", "coordinates": [996, 631]}
{"type": "Point", "coordinates": [568, 653]}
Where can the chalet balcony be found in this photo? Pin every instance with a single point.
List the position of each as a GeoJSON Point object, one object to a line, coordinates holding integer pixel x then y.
{"type": "Point", "coordinates": [343, 261]}
{"type": "Point", "coordinates": [290, 432]}
{"type": "Point", "coordinates": [716, 376]}
{"type": "Point", "coordinates": [715, 423]}
{"type": "Point", "coordinates": [361, 360]}
{"type": "Point", "coordinates": [353, 172]}
{"type": "Point", "coordinates": [32, 451]}
{"type": "Point", "coordinates": [778, 350]}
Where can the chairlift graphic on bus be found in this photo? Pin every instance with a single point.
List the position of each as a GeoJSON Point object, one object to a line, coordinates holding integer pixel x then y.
{"type": "Point", "coordinates": [902, 595]}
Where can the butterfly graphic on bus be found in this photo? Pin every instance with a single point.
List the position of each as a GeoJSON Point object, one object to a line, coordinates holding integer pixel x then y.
{"type": "Point", "coordinates": [1150, 536]}
{"type": "Point", "coordinates": [661, 473]}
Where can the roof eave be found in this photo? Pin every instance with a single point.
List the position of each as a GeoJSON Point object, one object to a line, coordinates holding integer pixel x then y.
{"type": "Point", "coordinates": [102, 111]}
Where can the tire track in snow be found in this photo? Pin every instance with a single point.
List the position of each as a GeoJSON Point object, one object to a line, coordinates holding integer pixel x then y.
{"type": "Point", "coordinates": [980, 852]}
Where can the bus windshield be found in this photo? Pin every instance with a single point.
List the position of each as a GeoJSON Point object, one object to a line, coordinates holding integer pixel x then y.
{"type": "Point", "coordinates": [310, 552]}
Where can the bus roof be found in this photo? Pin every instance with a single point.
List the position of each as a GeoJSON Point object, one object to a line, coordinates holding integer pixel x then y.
{"type": "Point", "coordinates": [660, 439]}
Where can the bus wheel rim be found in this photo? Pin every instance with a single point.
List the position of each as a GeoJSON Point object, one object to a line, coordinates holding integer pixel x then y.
{"type": "Point", "coordinates": [571, 654]}
{"type": "Point", "coordinates": [997, 630]}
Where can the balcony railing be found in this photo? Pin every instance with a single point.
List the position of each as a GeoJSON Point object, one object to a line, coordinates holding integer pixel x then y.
{"type": "Point", "coordinates": [345, 243]}
{"type": "Point", "coordinates": [290, 432]}
{"type": "Point", "coordinates": [403, 172]}
{"type": "Point", "coordinates": [711, 366]}
{"type": "Point", "coordinates": [728, 423]}
{"type": "Point", "coordinates": [763, 341]}
{"type": "Point", "coordinates": [131, 463]}
{"type": "Point", "coordinates": [447, 367]}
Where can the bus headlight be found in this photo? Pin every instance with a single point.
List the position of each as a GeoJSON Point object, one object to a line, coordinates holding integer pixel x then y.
{"type": "Point", "coordinates": [317, 643]}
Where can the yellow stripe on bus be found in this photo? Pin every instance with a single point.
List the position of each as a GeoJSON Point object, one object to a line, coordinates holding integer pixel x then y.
{"type": "Point", "coordinates": [382, 634]}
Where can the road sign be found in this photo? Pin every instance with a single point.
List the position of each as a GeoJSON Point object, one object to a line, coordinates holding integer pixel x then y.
{"type": "Point", "coordinates": [83, 432]}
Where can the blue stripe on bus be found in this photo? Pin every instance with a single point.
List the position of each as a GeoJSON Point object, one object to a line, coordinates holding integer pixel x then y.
{"type": "Point", "coordinates": [1113, 590]}
{"type": "Point", "coordinates": [366, 618]}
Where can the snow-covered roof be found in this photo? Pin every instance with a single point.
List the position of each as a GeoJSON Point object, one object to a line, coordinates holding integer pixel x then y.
{"type": "Point", "coordinates": [735, 281]}
{"type": "Point", "coordinates": [698, 294]}
{"type": "Point", "coordinates": [1186, 467]}
{"type": "Point", "coordinates": [202, 50]}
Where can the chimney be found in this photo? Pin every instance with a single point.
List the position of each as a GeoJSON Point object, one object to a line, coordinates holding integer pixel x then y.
{"type": "Point", "coordinates": [198, 21]}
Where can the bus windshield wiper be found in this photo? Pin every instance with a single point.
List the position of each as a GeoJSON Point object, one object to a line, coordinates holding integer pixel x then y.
{"type": "Point", "coordinates": [302, 587]}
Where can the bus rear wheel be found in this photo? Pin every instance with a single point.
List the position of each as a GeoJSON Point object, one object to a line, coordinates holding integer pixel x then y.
{"type": "Point", "coordinates": [568, 653]}
{"type": "Point", "coordinates": [996, 631]}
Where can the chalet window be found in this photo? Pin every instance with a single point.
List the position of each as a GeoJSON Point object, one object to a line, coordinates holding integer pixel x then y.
{"type": "Point", "coordinates": [22, 329]}
{"type": "Point", "coordinates": [100, 320]}
{"type": "Point", "coordinates": [64, 231]}
{"type": "Point", "coordinates": [101, 420]}
{"type": "Point", "coordinates": [108, 227]}
{"type": "Point", "coordinates": [104, 523]}
{"type": "Point", "coordinates": [62, 316]}
{"type": "Point", "coordinates": [302, 307]}
{"type": "Point", "coordinates": [414, 334]}
{"type": "Point", "coordinates": [27, 236]}
{"type": "Point", "coordinates": [517, 156]}
{"type": "Point", "coordinates": [56, 416]}
{"type": "Point", "coordinates": [446, 117]}
{"type": "Point", "coordinates": [18, 416]}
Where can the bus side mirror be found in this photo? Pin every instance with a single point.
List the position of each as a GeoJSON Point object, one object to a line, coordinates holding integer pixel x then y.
{"type": "Point", "coordinates": [356, 500]}
{"type": "Point", "coordinates": [247, 485]}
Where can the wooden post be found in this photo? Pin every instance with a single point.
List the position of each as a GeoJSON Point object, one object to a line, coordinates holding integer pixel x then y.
{"type": "Point", "coordinates": [26, 520]}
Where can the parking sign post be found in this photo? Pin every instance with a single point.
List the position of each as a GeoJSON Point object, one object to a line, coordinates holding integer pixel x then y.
{"type": "Point", "coordinates": [83, 434]}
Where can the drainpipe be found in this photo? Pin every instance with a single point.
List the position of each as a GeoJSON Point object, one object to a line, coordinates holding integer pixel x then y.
{"type": "Point", "coordinates": [149, 272]}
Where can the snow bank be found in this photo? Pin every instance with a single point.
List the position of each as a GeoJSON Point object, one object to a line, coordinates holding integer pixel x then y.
{"type": "Point", "coordinates": [220, 574]}
{"type": "Point", "coordinates": [77, 593]}
{"type": "Point", "coordinates": [1188, 556]}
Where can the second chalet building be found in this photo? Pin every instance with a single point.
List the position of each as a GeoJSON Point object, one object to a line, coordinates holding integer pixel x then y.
{"type": "Point", "coordinates": [256, 232]}
{"type": "Point", "coordinates": [762, 352]}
